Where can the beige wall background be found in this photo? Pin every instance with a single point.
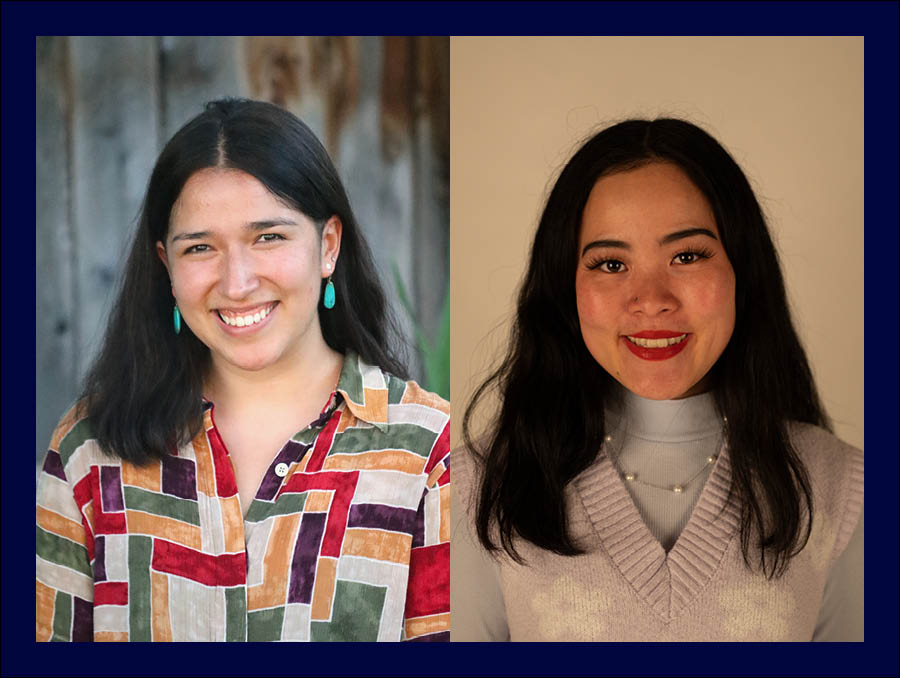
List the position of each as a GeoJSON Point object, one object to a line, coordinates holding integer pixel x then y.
{"type": "Point", "coordinates": [789, 110]}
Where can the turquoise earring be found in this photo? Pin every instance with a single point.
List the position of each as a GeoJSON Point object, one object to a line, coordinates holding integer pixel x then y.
{"type": "Point", "coordinates": [328, 301]}
{"type": "Point", "coordinates": [176, 319]}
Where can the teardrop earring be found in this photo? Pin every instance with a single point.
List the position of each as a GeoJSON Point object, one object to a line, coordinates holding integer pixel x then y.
{"type": "Point", "coordinates": [176, 319]}
{"type": "Point", "coordinates": [329, 298]}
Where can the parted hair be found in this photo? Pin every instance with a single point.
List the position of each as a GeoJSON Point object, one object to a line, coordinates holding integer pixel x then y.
{"type": "Point", "coordinates": [552, 392]}
{"type": "Point", "coordinates": [143, 393]}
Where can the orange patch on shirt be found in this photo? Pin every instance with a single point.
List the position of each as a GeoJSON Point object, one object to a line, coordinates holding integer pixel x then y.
{"type": "Point", "coordinates": [44, 603]}
{"type": "Point", "coordinates": [444, 531]}
{"type": "Point", "coordinates": [347, 420]}
{"type": "Point", "coordinates": [323, 591]}
{"type": "Point", "coordinates": [206, 473]}
{"type": "Point", "coordinates": [146, 477]}
{"type": "Point", "coordinates": [111, 637]}
{"type": "Point", "coordinates": [377, 544]}
{"type": "Point", "coordinates": [165, 528]}
{"type": "Point", "coordinates": [318, 501]}
{"type": "Point", "coordinates": [416, 395]}
{"type": "Point", "coordinates": [382, 460]}
{"type": "Point", "coordinates": [232, 523]}
{"type": "Point", "coordinates": [162, 627]}
{"type": "Point", "coordinates": [277, 563]}
{"type": "Point", "coordinates": [434, 623]}
{"type": "Point", "coordinates": [60, 525]}
{"type": "Point", "coordinates": [374, 409]}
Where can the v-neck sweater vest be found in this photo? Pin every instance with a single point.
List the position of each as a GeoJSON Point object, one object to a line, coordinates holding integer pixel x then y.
{"type": "Point", "coordinates": [626, 587]}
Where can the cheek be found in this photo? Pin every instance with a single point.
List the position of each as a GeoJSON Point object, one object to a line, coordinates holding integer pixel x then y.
{"type": "Point", "coordinates": [191, 282]}
{"type": "Point", "coordinates": [713, 300]}
{"type": "Point", "coordinates": [596, 308]}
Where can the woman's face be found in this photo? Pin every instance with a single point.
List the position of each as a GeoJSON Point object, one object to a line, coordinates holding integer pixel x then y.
{"type": "Point", "coordinates": [246, 270]}
{"type": "Point", "coordinates": [654, 287]}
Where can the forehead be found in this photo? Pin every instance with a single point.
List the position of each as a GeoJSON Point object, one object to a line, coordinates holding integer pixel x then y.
{"type": "Point", "coordinates": [652, 200]}
{"type": "Point", "coordinates": [217, 193]}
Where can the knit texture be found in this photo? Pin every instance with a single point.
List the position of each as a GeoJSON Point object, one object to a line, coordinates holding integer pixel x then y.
{"type": "Point", "coordinates": [626, 587]}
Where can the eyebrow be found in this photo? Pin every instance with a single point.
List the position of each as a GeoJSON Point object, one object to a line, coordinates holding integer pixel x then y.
{"type": "Point", "coordinates": [665, 240]}
{"type": "Point", "coordinates": [250, 226]}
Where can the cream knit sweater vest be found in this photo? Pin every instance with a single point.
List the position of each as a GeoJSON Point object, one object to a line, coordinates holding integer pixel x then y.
{"type": "Point", "coordinates": [627, 588]}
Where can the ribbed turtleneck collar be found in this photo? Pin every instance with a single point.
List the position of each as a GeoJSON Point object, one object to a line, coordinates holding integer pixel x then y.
{"type": "Point", "coordinates": [683, 420]}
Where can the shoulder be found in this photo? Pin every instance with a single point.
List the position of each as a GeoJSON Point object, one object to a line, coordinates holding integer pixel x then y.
{"type": "Point", "coordinates": [836, 474]}
{"type": "Point", "coordinates": [831, 462]}
{"type": "Point", "coordinates": [409, 402]}
{"type": "Point", "coordinates": [73, 446]}
{"type": "Point", "coordinates": [420, 419]}
{"type": "Point", "coordinates": [466, 476]}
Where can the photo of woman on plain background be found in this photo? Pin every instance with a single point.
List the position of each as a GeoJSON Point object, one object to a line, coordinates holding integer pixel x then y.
{"type": "Point", "coordinates": [652, 459]}
{"type": "Point", "coordinates": [248, 459]}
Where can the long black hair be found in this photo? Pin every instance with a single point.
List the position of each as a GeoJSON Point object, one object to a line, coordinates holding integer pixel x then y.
{"type": "Point", "coordinates": [143, 393]}
{"type": "Point", "coordinates": [552, 391]}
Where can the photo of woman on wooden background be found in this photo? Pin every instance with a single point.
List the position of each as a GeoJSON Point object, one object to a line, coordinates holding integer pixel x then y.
{"type": "Point", "coordinates": [249, 455]}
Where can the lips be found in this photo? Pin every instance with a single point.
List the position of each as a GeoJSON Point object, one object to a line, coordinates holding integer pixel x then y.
{"type": "Point", "coordinates": [656, 344]}
{"type": "Point", "coordinates": [656, 334]}
{"type": "Point", "coordinates": [245, 318]}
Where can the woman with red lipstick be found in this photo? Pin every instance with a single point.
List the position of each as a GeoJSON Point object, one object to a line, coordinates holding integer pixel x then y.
{"type": "Point", "coordinates": [661, 467]}
{"type": "Point", "coordinates": [248, 460]}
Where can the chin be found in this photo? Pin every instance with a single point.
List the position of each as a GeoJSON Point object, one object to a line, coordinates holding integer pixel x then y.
{"type": "Point", "coordinates": [654, 390]}
{"type": "Point", "coordinates": [250, 363]}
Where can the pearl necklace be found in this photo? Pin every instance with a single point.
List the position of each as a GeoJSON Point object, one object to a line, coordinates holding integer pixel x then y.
{"type": "Point", "coordinates": [631, 477]}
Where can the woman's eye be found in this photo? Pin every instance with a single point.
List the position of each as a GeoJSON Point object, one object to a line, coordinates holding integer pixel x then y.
{"type": "Point", "coordinates": [691, 256]}
{"type": "Point", "coordinates": [270, 237]}
{"type": "Point", "coordinates": [197, 249]}
{"type": "Point", "coordinates": [607, 266]}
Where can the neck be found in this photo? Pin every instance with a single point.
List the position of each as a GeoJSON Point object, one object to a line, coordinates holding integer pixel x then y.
{"type": "Point", "coordinates": [308, 374]}
{"type": "Point", "coordinates": [689, 418]}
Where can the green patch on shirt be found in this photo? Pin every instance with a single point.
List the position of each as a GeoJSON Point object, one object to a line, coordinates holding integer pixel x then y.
{"type": "Point", "coordinates": [62, 551]}
{"type": "Point", "coordinates": [265, 625]}
{"type": "Point", "coordinates": [355, 615]}
{"type": "Point", "coordinates": [158, 504]}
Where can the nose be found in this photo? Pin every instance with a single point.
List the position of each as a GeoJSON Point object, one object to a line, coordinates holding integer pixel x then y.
{"type": "Point", "coordinates": [652, 295]}
{"type": "Point", "coordinates": [238, 277]}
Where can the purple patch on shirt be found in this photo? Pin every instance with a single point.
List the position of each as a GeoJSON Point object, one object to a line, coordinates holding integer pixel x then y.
{"type": "Point", "coordinates": [382, 517]}
{"type": "Point", "coordinates": [418, 532]}
{"type": "Point", "coordinates": [179, 477]}
{"type": "Point", "coordinates": [100, 558]}
{"type": "Point", "coordinates": [82, 620]}
{"type": "Point", "coordinates": [111, 489]}
{"type": "Point", "coordinates": [53, 465]}
{"type": "Point", "coordinates": [442, 637]}
{"type": "Point", "coordinates": [271, 482]}
{"type": "Point", "coordinates": [306, 553]}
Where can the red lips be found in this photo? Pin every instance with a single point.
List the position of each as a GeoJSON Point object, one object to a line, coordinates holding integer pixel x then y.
{"type": "Point", "coordinates": [663, 353]}
{"type": "Point", "coordinates": [656, 334]}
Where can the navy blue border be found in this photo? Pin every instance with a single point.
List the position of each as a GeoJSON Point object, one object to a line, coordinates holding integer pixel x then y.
{"type": "Point", "coordinates": [875, 20]}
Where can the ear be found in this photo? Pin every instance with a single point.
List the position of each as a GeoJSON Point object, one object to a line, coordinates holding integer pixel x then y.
{"type": "Point", "coordinates": [163, 257]}
{"type": "Point", "coordinates": [331, 244]}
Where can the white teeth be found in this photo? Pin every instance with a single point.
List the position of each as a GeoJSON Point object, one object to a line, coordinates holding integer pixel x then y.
{"type": "Point", "coordinates": [656, 343]}
{"type": "Point", "coordinates": [244, 320]}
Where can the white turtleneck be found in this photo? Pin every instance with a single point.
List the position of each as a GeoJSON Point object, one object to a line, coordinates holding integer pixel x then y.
{"type": "Point", "coordinates": [663, 443]}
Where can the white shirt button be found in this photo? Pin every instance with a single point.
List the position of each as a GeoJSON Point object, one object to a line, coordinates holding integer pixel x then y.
{"type": "Point", "coordinates": [281, 470]}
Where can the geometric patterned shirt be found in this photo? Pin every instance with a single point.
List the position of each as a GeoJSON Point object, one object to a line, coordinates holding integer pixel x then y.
{"type": "Point", "coordinates": [347, 538]}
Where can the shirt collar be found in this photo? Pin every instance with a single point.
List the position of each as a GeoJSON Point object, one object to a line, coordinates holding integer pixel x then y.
{"type": "Point", "coordinates": [365, 390]}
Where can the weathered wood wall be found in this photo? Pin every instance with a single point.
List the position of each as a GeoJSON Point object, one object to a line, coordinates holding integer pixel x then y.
{"type": "Point", "coordinates": [106, 106]}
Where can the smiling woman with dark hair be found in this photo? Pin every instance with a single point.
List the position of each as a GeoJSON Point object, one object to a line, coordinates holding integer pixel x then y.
{"type": "Point", "coordinates": [661, 467]}
{"type": "Point", "coordinates": [247, 460]}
